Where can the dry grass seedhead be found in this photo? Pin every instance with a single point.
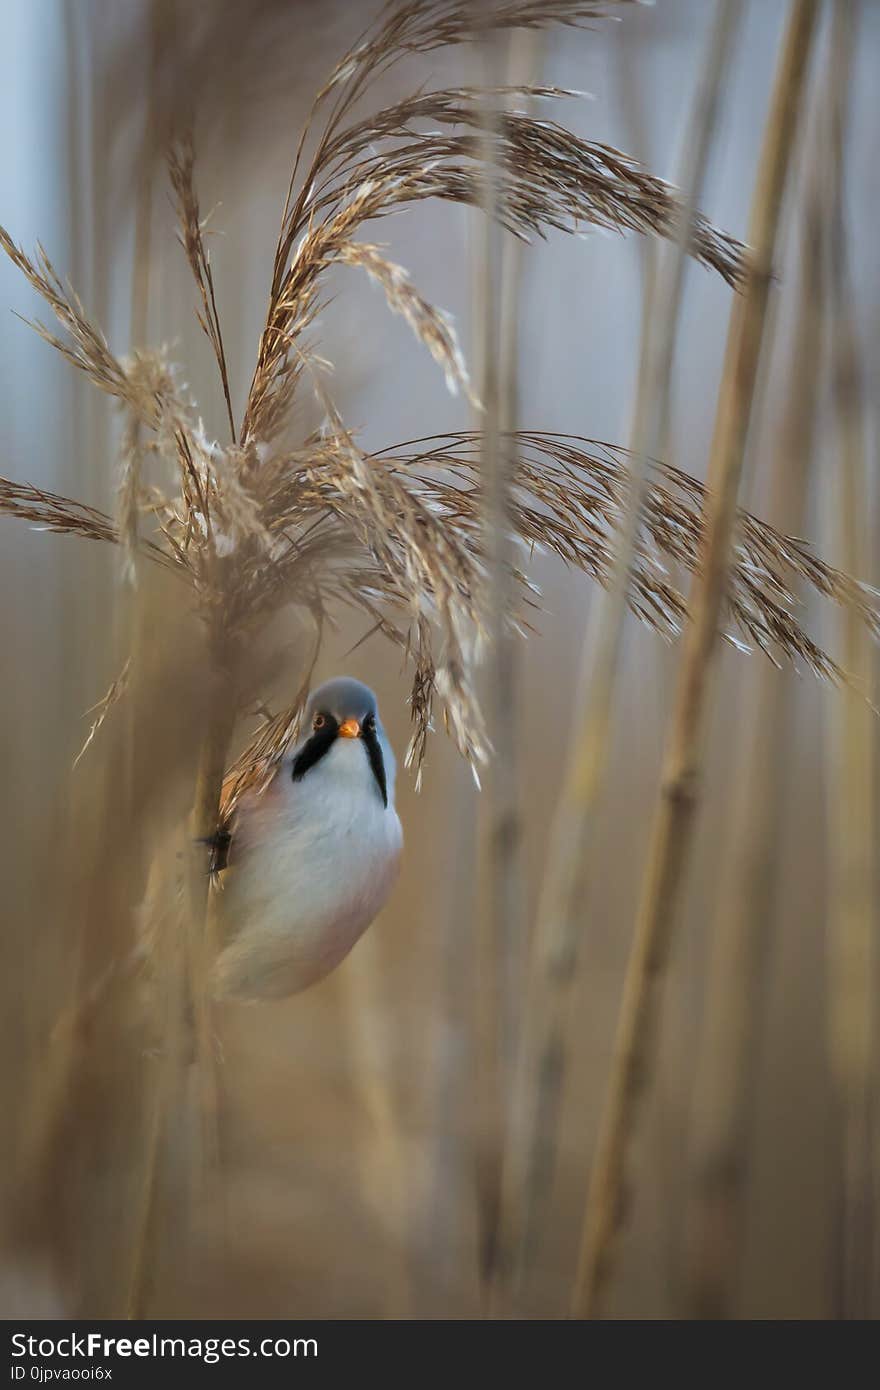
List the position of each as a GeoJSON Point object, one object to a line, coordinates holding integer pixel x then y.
{"type": "Point", "coordinates": [431, 325]}
{"type": "Point", "coordinates": [422, 26]}
{"type": "Point", "coordinates": [181, 166]}
{"type": "Point", "coordinates": [50, 512]}
{"type": "Point", "coordinates": [113, 695]}
{"type": "Point", "coordinates": [84, 346]}
{"type": "Point", "coordinates": [397, 535]}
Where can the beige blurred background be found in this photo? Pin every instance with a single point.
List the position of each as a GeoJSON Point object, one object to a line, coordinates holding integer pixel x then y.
{"type": "Point", "coordinates": [349, 1112]}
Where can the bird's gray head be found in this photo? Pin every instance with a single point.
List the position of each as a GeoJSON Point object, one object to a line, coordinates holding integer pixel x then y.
{"type": "Point", "coordinates": [345, 708]}
{"type": "Point", "coordinates": [342, 699]}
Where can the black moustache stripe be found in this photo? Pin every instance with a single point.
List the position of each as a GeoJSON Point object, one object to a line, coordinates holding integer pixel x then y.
{"type": "Point", "coordinates": [323, 740]}
{"type": "Point", "coordinates": [377, 762]}
{"type": "Point", "coordinates": [313, 751]}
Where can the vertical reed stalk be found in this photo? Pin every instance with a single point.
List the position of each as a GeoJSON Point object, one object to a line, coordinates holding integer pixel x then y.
{"type": "Point", "coordinates": [132, 628]}
{"type": "Point", "coordinates": [186, 1010]}
{"type": "Point", "coordinates": [171, 994]}
{"type": "Point", "coordinates": [491, 1022]}
{"type": "Point", "coordinates": [128, 610]}
{"type": "Point", "coordinates": [554, 956]}
{"type": "Point", "coordinates": [852, 755]}
{"type": "Point", "coordinates": [670, 841]}
{"type": "Point", "coordinates": [728, 1054]}
{"type": "Point", "coordinates": [184, 1000]}
{"type": "Point", "coordinates": [637, 140]}
{"type": "Point", "coordinates": [48, 1109]}
{"type": "Point", "coordinates": [504, 834]}
{"type": "Point", "coordinates": [495, 945]}
{"type": "Point", "coordinates": [446, 1210]}
{"type": "Point", "coordinates": [213, 761]}
{"type": "Point", "coordinates": [384, 1173]}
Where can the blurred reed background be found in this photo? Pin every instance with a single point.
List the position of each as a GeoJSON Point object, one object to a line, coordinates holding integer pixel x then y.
{"type": "Point", "coordinates": [611, 1048]}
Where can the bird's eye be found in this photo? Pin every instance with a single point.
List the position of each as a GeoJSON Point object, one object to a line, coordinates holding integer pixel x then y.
{"type": "Point", "coordinates": [319, 721]}
{"type": "Point", "coordinates": [370, 722]}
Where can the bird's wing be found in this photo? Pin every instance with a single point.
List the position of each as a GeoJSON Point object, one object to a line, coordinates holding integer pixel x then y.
{"type": "Point", "coordinates": [250, 775]}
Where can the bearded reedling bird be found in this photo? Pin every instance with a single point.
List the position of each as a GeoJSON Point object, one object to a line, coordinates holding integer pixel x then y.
{"type": "Point", "coordinates": [313, 857]}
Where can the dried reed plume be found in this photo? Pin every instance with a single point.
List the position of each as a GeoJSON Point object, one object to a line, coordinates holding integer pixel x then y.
{"type": "Point", "coordinates": [568, 495]}
{"type": "Point", "coordinates": [254, 524]}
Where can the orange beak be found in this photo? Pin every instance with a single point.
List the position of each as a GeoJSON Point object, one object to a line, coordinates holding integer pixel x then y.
{"type": "Point", "coordinates": [349, 728]}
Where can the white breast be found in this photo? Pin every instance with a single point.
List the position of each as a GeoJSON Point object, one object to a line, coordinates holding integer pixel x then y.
{"type": "Point", "coordinates": [313, 862]}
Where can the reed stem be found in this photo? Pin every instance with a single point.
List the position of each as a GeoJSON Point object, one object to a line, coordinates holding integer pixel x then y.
{"type": "Point", "coordinates": [542, 1061]}
{"type": "Point", "coordinates": [852, 755]}
{"type": "Point", "coordinates": [506, 886]}
{"type": "Point", "coordinates": [728, 1053]}
{"type": "Point", "coordinates": [671, 836]}
{"type": "Point", "coordinates": [213, 761]}
{"type": "Point", "coordinates": [185, 1001]}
